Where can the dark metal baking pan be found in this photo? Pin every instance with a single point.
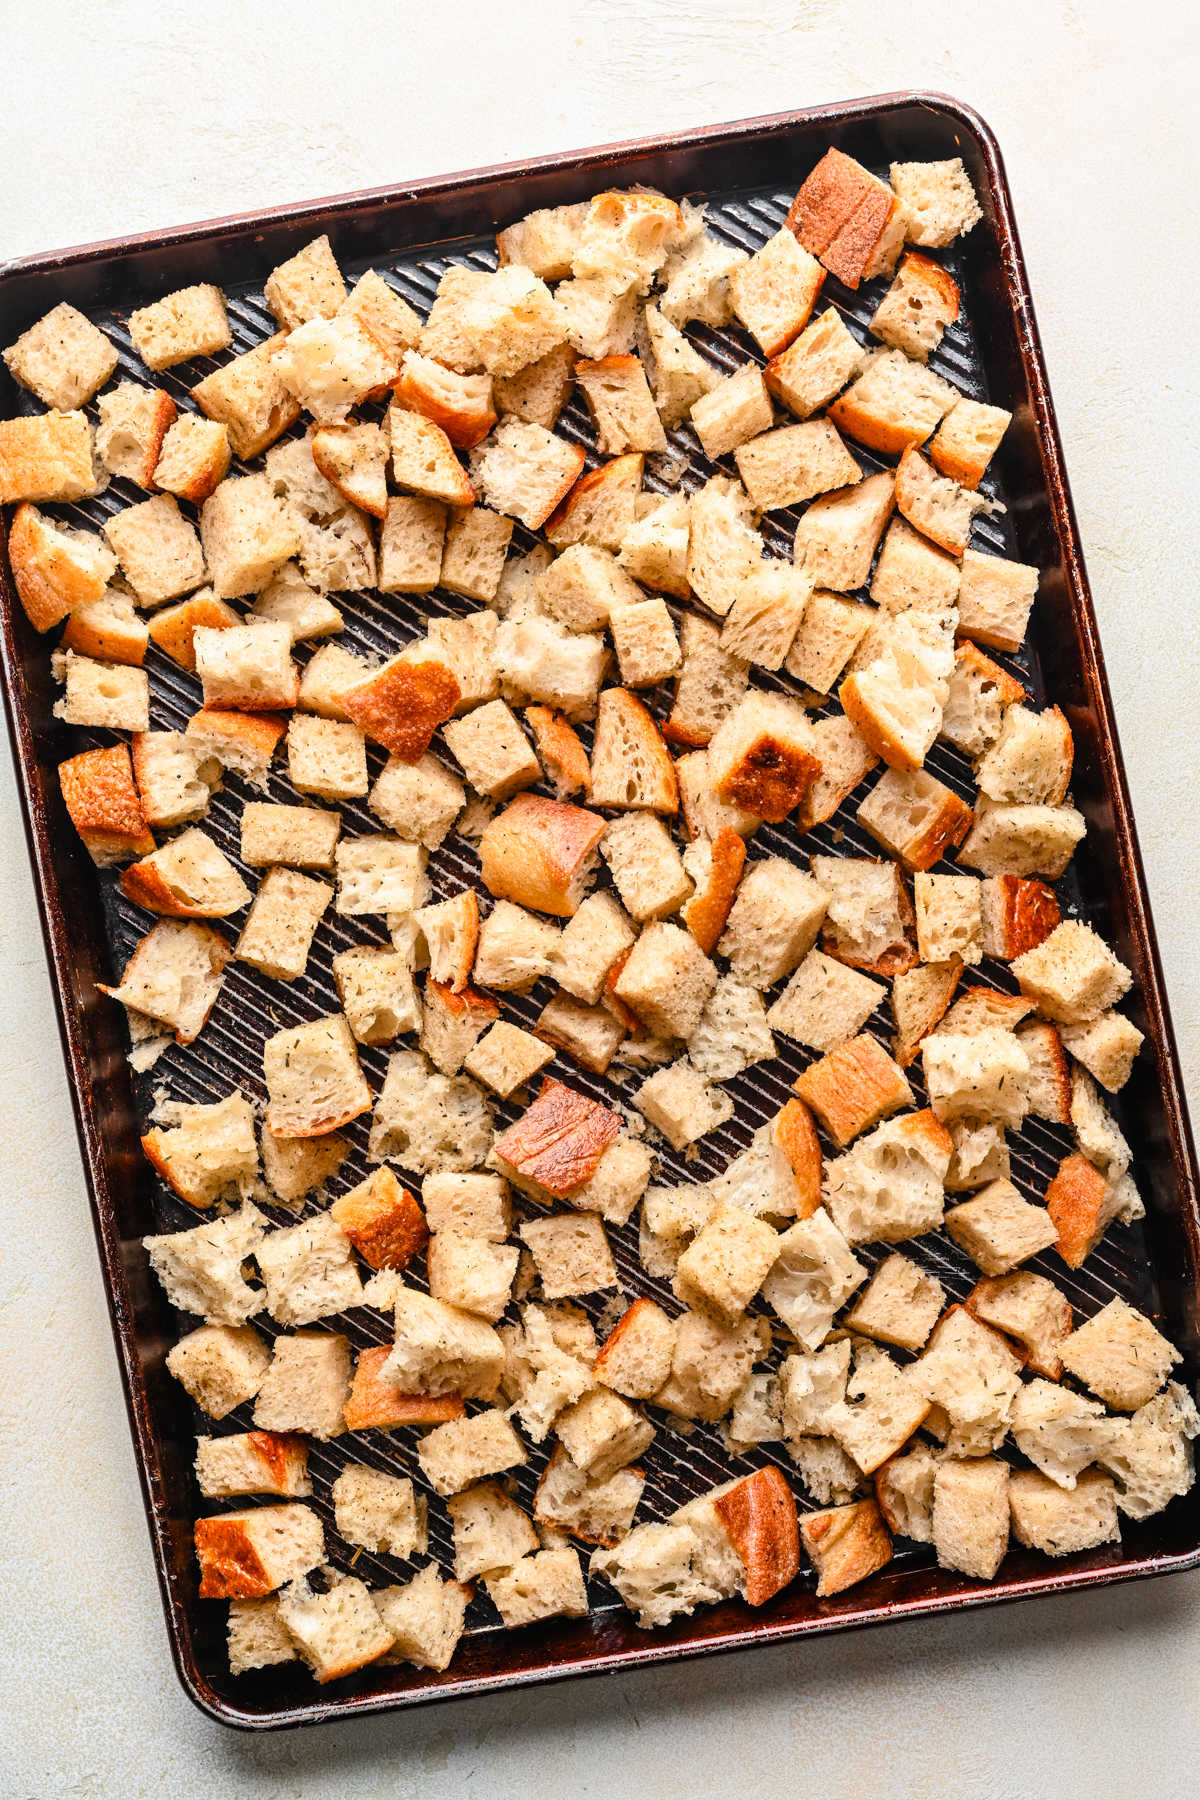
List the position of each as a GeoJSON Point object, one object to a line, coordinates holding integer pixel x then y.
{"type": "Point", "coordinates": [748, 172]}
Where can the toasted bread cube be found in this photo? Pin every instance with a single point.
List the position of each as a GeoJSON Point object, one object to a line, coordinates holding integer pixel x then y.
{"type": "Point", "coordinates": [807, 375]}
{"type": "Point", "coordinates": [173, 629]}
{"type": "Point", "coordinates": [970, 1515]}
{"type": "Point", "coordinates": [402, 704]}
{"type": "Point", "coordinates": [1029, 1309]}
{"type": "Point", "coordinates": [774, 293]}
{"type": "Point", "coordinates": [977, 1074]}
{"type": "Point", "coordinates": [869, 915]}
{"type": "Point", "coordinates": [825, 1003]}
{"type": "Point", "coordinates": [490, 1531]}
{"type": "Point", "coordinates": [847, 1544]}
{"type": "Point", "coordinates": [601, 1433]}
{"type": "Point", "coordinates": [896, 693]}
{"type": "Point", "coordinates": [423, 459]}
{"type": "Point", "coordinates": [326, 757]}
{"type": "Point", "coordinates": [727, 1263]}
{"type": "Point", "coordinates": [105, 808]}
{"type": "Point", "coordinates": [1106, 1046]}
{"type": "Point", "coordinates": [304, 837]}
{"type": "Point", "coordinates": [635, 1358]}
{"type": "Point", "coordinates": [590, 1035]}
{"type": "Point", "coordinates": [353, 459]}
{"type": "Point", "coordinates": [646, 645]}
{"type": "Point", "coordinates": [922, 300]}
{"type": "Point", "coordinates": [765, 615]}
{"type": "Point", "coordinates": [980, 690]}
{"type": "Point", "coordinates": [256, 1637]}
{"type": "Point", "coordinates": [836, 538]}
{"type": "Point", "coordinates": [189, 878]}
{"type": "Point", "coordinates": [111, 695]}
{"type": "Point", "coordinates": [537, 393]}
{"type": "Point", "coordinates": [678, 374]}
{"type": "Point", "coordinates": [589, 945]}
{"type": "Point", "coordinates": [601, 506]}
{"type": "Point", "coordinates": [712, 680]}
{"type": "Point", "coordinates": [194, 458]}
{"type": "Point", "coordinates": [934, 504]}
{"type": "Point", "coordinates": [493, 751]}
{"type": "Point", "coordinates": [475, 1204]}
{"type": "Point", "coordinates": [201, 1269]}
{"type": "Point", "coordinates": [900, 1305]}
{"type": "Point", "coordinates": [827, 636]}
{"type": "Point", "coordinates": [666, 980]}
{"type": "Point", "coordinates": [220, 1366]}
{"type": "Point", "coordinates": [247, 668]}
{"type": "Point", "coordinates": [795, 463]}
{"type": "Point", "coordinates": [247, 395]}
{"type": "Point", "coordinates": [714, 866]}
{"type": "Point", "coordinates": [248, 534]}
{"type": "Point", "coordinates": [379, 1512]}
{"type": "Point", "coordinates": [377, 993]}
{"type": "Point", "coordinates": [190, 322]}
{"type": "Point", "coordinates": [452, 1022]}
{"type": "Point", "coordinates": [889, 1186]}
{"type": "Point", "coordinates": [723, 543]}
{"type": "Point", "coordinates": [524, 471]}
{"type": "Point", "coordinates": [331, 365]}
{"type": "Point", "coordinates": [461, 405]}
{"type": "Point", "coordinates": [174, 977]}
{"type": "Point", "coordinates": [679, 1101]}
{"type": "Point", "coordinates": [244, 1555]}
{"type": "Point", "coordinates": [920, 997]}
{"type": "Point", "coordinates": [1072, 974]}
{"type": "Point", "coordinates": [293, 1168]}
{"type": "Point", "coordinates": [583, 585]}
{"type": "Point", "coordinates": [336, 1632]}
{"type": "Point", "coordinates": [949, 918]}
{"type": "Point", "coordinates": [515, 948]}
{"type": "Point", "coordinates": [966, 440]}
{"type": "Point", "coordinates": [732, 1033]}
{"type": "Point", "coordinates": [1060, 1431]}
{"type": "Point", "coordinates": [506, 1058]}
{"type": "Point", "coordinates": [382, 1220]}
{"type": "Point", "coordinates": [1022, 840]}
{"type": "Point", "coordinates": [455, 1456]}
{"type": "Point", "coordinates": [540, 853]}
{"type": "Point", "coordinates": [307, 1385]}
{"type": "Point", "coordinates": [282, 923]}
{"type": "Point", "coordinates": [654, 547]}
{"type": "Point", "coordinates": [557, 1143]}
{"type": "Point", "coordinates": [849, 218]}
{"type": "Point", "coordinates": [1057, 1523]}
{"type": "Point", "coordinates": [894, 404]}
{"type": "Point", "coordinates": [853, 1087]}
{"type": "Point", "coordinates": [1120, 1356]}
{"type": "Point", "coordinates": [428, 1120]}
{"type": "Point", "coordinates": [314, 1083]}
{"type": "Point", "coordinates": [544, 241]}
{"type": "Point", "coordinates": [58, 572]}
{"type": "Point", "coordinates": [619, 1181]}
{"type": "Point", "coordinates": [998, 1229]}
{"type": "Point", "coordinates": [207, 1151]}
{"type": "Point", "coordinates": [623, 412]}
{"type": "Point", "coordinates": [471, 1273]}
{"type": "Point", "coordinates": [48, 457]}
{"type": "Point", "coordinates": [571, 1253]}
{"type": "Point", "coordinates": [995, 598]}
{"type": "Point", "coordinates": [737, 409]}
{"type": "Point", "coordinates": [918, 819]}
{"type": "Point", "coordinates": [307, 286]}
{"type": "Point", "coordinates": [761, 757]}
{"type": "Point", "coordinates": [939, 201]}
{"type": "Point", "coordinates": [911, 571]}
{"type": "Point", "coordinates": [157, 548]}
{"type": "Point", "coordinates": [546, 1585]}
{"type": "Point", "coordinates": [380, 875]}
{"type": "Point", "coordinates": [62, 359]}
{"type": "Point", "coordinates": [387, 316]}
{"type": "Point", "coordinates": [425, 1618]}
{"type": "Point", "coordinates": [972, 1375]}
{"type": "Point", "coordinates": [133, 423]}
{"type": "Point", "coordinates": [252, 1462]}
{"type": "Point", "coordinates": [697, 276]}
{"type": "Point", "coordinates": [982, 1008]}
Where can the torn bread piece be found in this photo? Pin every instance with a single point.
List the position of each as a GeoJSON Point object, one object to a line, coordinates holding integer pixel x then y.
{"type": "Point", "coordinates": [849, 218]}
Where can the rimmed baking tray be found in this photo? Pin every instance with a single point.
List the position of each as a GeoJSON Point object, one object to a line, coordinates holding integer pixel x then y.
{"type": "Point", "coordinates": [747, 172]}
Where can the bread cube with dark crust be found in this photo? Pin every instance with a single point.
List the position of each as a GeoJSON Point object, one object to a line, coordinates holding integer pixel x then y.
{"type": "Point", "coordinates": [1018, 915]}
{"type": "Point", "coordinates": [846, 1544]}
{"type": "Point", "coordinates": [759, 1515]}
{"type": "Point", "coordinates": [462, 405]}
{"type": "Point", "coordinates": [382, 1220]}
{"type": "Point", "coordinates": [375, 1404]}
{"type": "Point", "coordinates": [916, 817]}
{"type": "Point", "coordinates": [55, 569]}
{"type": "Point", "coordinates": [540, 853]}
{"type": "Point", "coordinates": [402, 704]}
{"type": "Point", "coordinates": [793, 1132]}
{"type": "Point", "coordinates": [559, 1140]}
{"type": "Point", "coordinates": [243, 1555]}
{"type": "Point", "coordinates": [1081, 1203]}
{"type": "Point", "coordinates": [847, 217]}
{"type": "Point", "coordinates": [105, 808]}
{"type": "Point", "coordinates": [762, 758]}
{"type": "Point", "coordinates": [853, 1087]}
{"type": "Point", "coordinates": [600, 508]}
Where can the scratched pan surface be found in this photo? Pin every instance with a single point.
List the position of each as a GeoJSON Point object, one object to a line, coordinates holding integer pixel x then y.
{"type": "Point", "coordinates": [747, 173]}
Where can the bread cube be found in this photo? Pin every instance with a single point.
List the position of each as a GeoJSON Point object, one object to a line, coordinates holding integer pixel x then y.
{"type": "Point", "coordinates": [524, 471]}
{"type": "Point", "coordinates": [571, 1254]}
{"type": "Point", "coordinates": [425, 1617]}
{"type": "Point", "coordinates": [949, 918]}
{"type": "Point", "coordinates": [869, 914]}
{"type": "Point", "coordinates": [618, 1183]}
{"type": "Point", "coordinates": [537, 393]}
{"type": "Point", "coordinates": [631, 765]}
{"type": "Point", "coordinates": [1106, 1047]}
{"type": "Point", "coordinates": [256, 1637]}
{"type": "Point", "coordinates": [1119, 1355]}
{"type": "Point", "coordinates": [976, 1075]}
{"type": "Point", "coordinates": [377, 994]}
{"type": "Point", "coordinates": [774, 293]}
{"type": "Point", "coordinates": [63, 358]}
{"type": "Point", "coordinates": [971, 1516]}
{"type": "Point", "coordinates": [302, 836]}
{"type": "Point", "coordinates": [1029, 1309]}
{"type": "Point", "coordinates": [252, 1462]}
{"type": "Point", "coordinates": [849, 218]}
{"type": "Point", "coordinates": [543, 1586]}
{"type": "Point", "coordinates": [666, 981]}
{"type": "Point", "coordinates": [644, 636]}
{"type": "Point", "coordinates": [220, 1367]}
{"type": "Point", "coordinates": [890, 1185]}
{"type": "Point", "coordinates": [558, 1141]}
{"type": "Point", "coordinates": [475, 1204]}
{"type": "Point", "coordinates": [456, 1455]}
{"type": "Point", "coordinates": [847, 1544]}
{"type": "Point", "coordinates": [623, 412]}
{"type": "Point", "coordinates": [294, 1167]}
{"type": "Point", "coordinates": [1061, 1432]}
{"type": "Point", "coordinates": [309, 1271]}
{"type": "Point", "coordinates": [826, 638]}
{"type": "Point", "coordinates": [379, 1512]}
{"type": "Point", "coordinates": [1047, 1519]}
{"type": "Point", "coordinates": [282, 923]}
{"type": "Point", "coordinates": [492, 751]}
{"type": "Point", "coordinates": [288, 600]}
{"type": "Point", "coordinates": [591, 1035]}
{"type": "Point", "coordinates": [108, 695]}
{"type": "Point", "coordinates": [382, 1221]}
{"type": "Point", "coordinates": [132, 425]}
{"type": "Point", "coordinates": [327, 757]}
{"type": "Point", "coordinates": [157, 548]}
{"type": "Point", "coordinates": [761, 757]}
{"type": "Point", "coordinates": [1082, 1203]}
{"type": "Point", "coordinates": [723, 544]}
{"type": "Point", "coordinates": [589, 944]}
{"type": "Point", "coordinates": [735, 410]}
{"type": "Point", "coordinates": [386, 315]}
{"type": "Point", "coordinates": [506, 1058]}
{"type": "Point", "coordinates": [306, 1386]}
{"type": "Point", "coordinates": [852, 1087]}
{"type": "Point", "coordinates": [374, 1402]}
{"type": "Point", "coordinates": [726, 1264]}
{"type": "Point", "coordinates": [900, 1305]}
{"type": "Point", "coordinates": [654, 547]}
{"type": "Point", "coordinates": [581, 587]}
{"type": "Point", "coordinates": [1150, 1454]}
{"type": "Point", "coordinates": [967, 439]}
{"type": "Point", "coordinates": [836, 538]}
{"type": "Point", "coordinates": [1072, 974]}
{"type": "Point", "coordinates": [894, 404]}
{"type": "Point", "coordinates": [189, 878]}
{"type": "Point", "coordinates": [452, 1023]}
{"type": "Point", "coordinates": [646, 867]}
{"type": "Point", "coordinates": [337, 1631]}
{"type": "Point", "coordinates": [201, 1269]}
{"type": "Point", "coordinates": [540, 853]}
{"type": "Point", "coordinates": [732, 1033]}
{"type": "Point", "coordinates": [194, 458]}
{"type": "Point", "coordinates": [825, 1003]}
{"type": "Point", "coordinates": [809, 372]}
{"type": "Point", "coordinates": [765, 615]}
{"type": "Point", "coordinates": [795, 463]}
{"type": "Point", "coordinates": [714, 866]}
{"type": "Point", "coordinates": [471, 1273]}
{"type": "Point", "coordinates": [440, 1349]}
{"type": "Point", "coordinates": [248, 534]}
{"type": "Point", "coordinates": [918, 819]}
{"type": "Point", "coordinates": [49, 456]}
{"type": "Point", "coordinates": [897, 690]}
{"type": "Point", "coordinates": [515, 948]}
{"type": "Point", "coordinates": [939, 201]}
{"type": "Point", "coordinates": [243, 1555]}
{"type": "Point", "coordinates": [314, 1083]}
{"type": "Point", "coordinates": [428, 1120]}
{"type": "Point", "coordinates": [922, 300]}
{"type": "Point", "coordinates": [599, 1512]}
{"type": "Point", "coordinates": [490, 1531]}
{"type": "Point", "coordinates": [307, 286]}
{"type": "Point", "coordinates": [247, 668]}
{"type": "Point", "coordinates": [58, 572]}
{"type": "Point", "coordinates": [972, 1375]}
{"type": "Point", "coordinates": [635, 1358]}
{"type": "Point", "coordinates": [911, 571]}
{"type": "Point", "coordinates": [601, 506]}
{"type": "Point", "coordinates": [248, 396]}
{"type": "Point", "coordinates": [697, 276]}
{"type": "Point", "coordinates": [601, 1433]}
{"type": "Point", "coordinates": [884, 1405]}
{"type": "Point", "coordinates": [1023, 840]}
{"type": "Point", "coordinates": [998, 1229]}
{"type": "Point", "coordinates": [995, 598]}
{"type": "Point", "coordinates": [920, 997]}
{"type": "Point", "coordinates": [173, 628]}
{"type": "Point", "coordinates": [419, 801]}
{"type": "Point", "coordinates": [810, 1385]}
{"type": "Point", "coordinates": [331, 365]}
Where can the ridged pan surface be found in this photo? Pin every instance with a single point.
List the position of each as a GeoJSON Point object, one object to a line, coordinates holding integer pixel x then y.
{"type": "Point", "coordinates": [228, 1056]}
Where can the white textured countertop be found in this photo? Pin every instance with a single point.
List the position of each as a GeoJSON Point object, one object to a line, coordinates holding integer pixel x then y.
{"type": "Point", "coordinates": [132, 115]}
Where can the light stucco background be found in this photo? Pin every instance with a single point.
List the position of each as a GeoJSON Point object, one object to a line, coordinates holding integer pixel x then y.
{"type": "Point", "coordinates": [129, 115]}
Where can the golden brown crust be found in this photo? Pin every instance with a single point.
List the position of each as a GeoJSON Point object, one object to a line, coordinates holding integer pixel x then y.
{"type": "Point", "coordinates": [535, 851]}
{"type": "Point", "coordinates": [944, 830]}
{"type": "Point", "coordinates": [465, 1000]}
{"type": "Point", "coordinates": [1028, 911]}
{"type": "Point", "coordinates": [935, 277]}
{"type": "Point", "coordinates": [383, 1221]}
{"type": "Point", "coordinates": [770, 778]}
{"type": "Point", "coordinates": [173, 628]}
{"type": "Point", "coordinates": [102, 799]}
{"type": "Point", "coordinates": [51, 581]}
{"type": "Point", "coordinates": [866, 721]}
{"type": "Point", "coordinates": [796, 1135]}
{"type": "Point", "coordinates": [623, 715]}
{"type": "Point", "coordinates": [629, 1321]}
{"type": "Point", "coordinates": [465, 416]}
{"type": "Point", "coordinates": [144, 886]}
{"type": "Point", "coordinates": [840, 214]}
{"type": "Point", "coordinates": [1075, 1200]}
{"type": "Point", "coordinates": [846, 1544]}
{"type": "Point", "coordinates": [853, 1087]}
{"type": "Point", "coordinates": [913, 477]}
{"type": "Point", "coordinates": [401, 705]}
{"type": "Point", "coordinates": [581, 494]}
{"type": "Point", "coordinates": [338, 468]}
{"type": "Point", "coordinates": [47, 456]}
{"type": "Point", "coordinates": [709, 907]}
{"type": "Point", "coordinates": [878, 431]}
{"type": "Point", "coordinates": [256, 734]}
{"type": "Point", "coordinates": [560, 1139]}
{"type": "Point", "coordinates": [281, 1455]}
{"type": "Point", "coordinates": [759, 1514]}
{"type": "Point", "coordinates": [109, 638]}
{"type": "Point", "coordinates": [375, 1405]}
{"type": "Point", "coordinates": [230, 1566]}
{"type": "Point", "coordinates": [558, 745]}
{"type": "Point", "coordinates": [154, 1146]}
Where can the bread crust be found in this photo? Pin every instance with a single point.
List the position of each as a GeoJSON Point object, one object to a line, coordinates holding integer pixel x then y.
{"type": "Point", "coordinates": [383, 1221]}
{"type": "Point", "coordinates": [1025, 912]}
{"type": "Point", "coordinates": [622, 713]}
{"type": "Point", "coordinates": [375, 1405]}
{"type": "Point", "coordinates": [50, 581]}
{"type": "Point", "coordinates": [708, 909]}
{"type": "Point", "coordinates": [853, 1087]}
{"type": "Point", "coordinates": [537, 850]}
{"type": "Point", "coordinates": [558, 745]}
{"type": "Point", "coordinates": [759, 1514]}
{"type": "Point", "coordinates": [48, 456]}
{"type": "Point", "coordinates": [839, 215]}
{"type": "Point", "coordinates": [846, 1544]}
{"type": "Point", "coordinates": [1075, 1200]}
{"type": "Point", "coordinates": [230, 1566]}
{"type": "Point", "coordinates": [795, 1134]}
{"type": "Point", "coordinates": [461, 404]}
{"type": "Point", "coordinates": [770, 778]}
{"type": "Point", "coordinates": [256, 734]}
{"type": "Point", "coordinates": [105, 807]}
{"type": "Point", "coordinates": [560, 1139]}
{"type": "Point", "coordinates": [401, 705]}
{"type": "Point", "coordinates": [577, 500]}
